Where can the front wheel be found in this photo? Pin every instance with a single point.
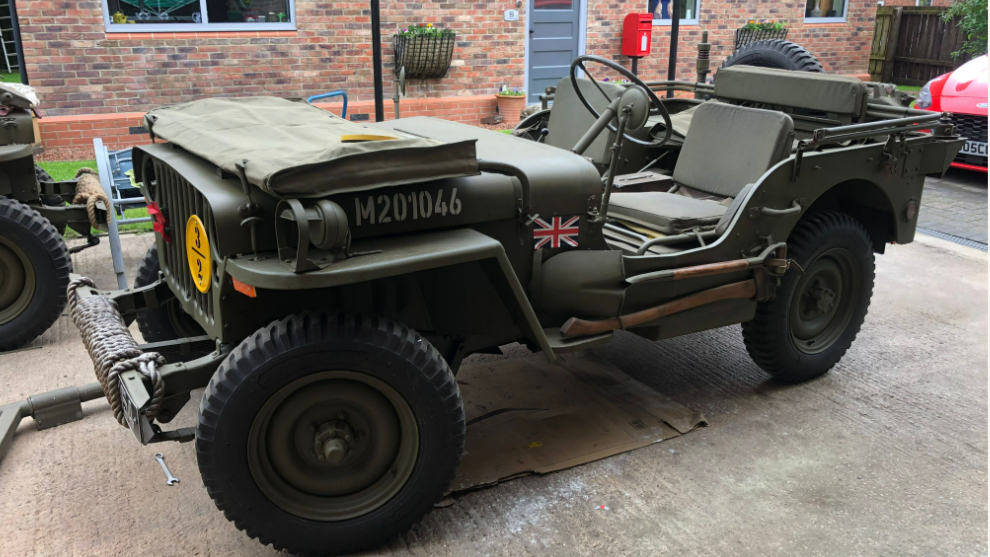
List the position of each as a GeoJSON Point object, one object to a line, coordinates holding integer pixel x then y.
{"type": "Point", "coordinates": [328, 434]}
{"type": "Point", "coordinates": [34, 273]}
{"type": "Point", "coordinates": [815, 316]}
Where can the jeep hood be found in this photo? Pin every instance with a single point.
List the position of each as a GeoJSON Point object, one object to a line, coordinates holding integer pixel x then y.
{"type": "Point", "coordinates": [292, 149]}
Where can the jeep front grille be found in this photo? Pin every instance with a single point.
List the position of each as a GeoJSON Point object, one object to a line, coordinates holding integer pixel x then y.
{"type": "Point", "coordinates": [973, 128]}
{"type": "Point", "coordinates": [179, 200]}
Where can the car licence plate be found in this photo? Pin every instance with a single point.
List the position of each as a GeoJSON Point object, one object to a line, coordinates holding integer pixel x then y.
{"type": "Point", "coordinates": [974, 148]}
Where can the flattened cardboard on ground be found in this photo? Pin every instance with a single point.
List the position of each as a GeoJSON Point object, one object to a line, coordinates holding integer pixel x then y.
{"type": "Point", "coordinates": [527, 416]}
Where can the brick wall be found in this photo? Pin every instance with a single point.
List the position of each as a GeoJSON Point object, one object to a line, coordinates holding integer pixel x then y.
{"type": "Point", "coordinates": [80, 69]}
{"type": "Point", "coordinates": [840, 47]}
{"type": "Point", "coordinates": [120, 130]}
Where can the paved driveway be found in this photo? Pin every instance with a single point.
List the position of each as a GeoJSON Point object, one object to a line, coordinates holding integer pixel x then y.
{"type": "Point", "coordinates": [956, 204]}
{"type": "Point", "coordinates": [886, 455]}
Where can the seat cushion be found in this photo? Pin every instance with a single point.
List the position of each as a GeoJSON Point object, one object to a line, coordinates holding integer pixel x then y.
{"type": "Point", "coordinates": [729, 146]}
{"type": "Point", "coordinates": [664, 212]}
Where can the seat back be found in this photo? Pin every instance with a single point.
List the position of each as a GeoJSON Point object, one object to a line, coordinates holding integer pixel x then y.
{"type": "Point", "coordinates": [841, 95]}
{"type": "Point", "coordinates": [729, 146]}
{"type": "Point", "coordinates": [569, 119]}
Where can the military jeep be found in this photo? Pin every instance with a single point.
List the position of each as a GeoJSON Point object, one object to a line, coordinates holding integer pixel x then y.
{"type": "Point", "coordinates": [35, 211]}
{"type": "Point", "coordinates": [324, 280]}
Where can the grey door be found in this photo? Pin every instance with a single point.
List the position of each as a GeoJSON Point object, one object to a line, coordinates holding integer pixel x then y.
{"type": "Point", "coordinates": [554, 27]}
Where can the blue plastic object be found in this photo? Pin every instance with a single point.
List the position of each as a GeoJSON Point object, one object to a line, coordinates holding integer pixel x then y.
{"type": "Point", "coordinates": [341, 93]}
{"type": "Point", "coordinates": [120, 165]}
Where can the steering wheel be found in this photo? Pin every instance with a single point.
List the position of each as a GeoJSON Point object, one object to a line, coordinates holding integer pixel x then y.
{"type": "Point", "coordinates": [654, 101]}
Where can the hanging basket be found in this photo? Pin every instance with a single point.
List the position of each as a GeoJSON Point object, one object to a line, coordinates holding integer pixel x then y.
{"type": "Point", "coordinates": [746, 36]}
{"type": "Point", "coordinates": [423, 56]}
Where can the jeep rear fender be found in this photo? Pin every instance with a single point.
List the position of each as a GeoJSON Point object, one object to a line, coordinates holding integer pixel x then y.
{"type": "Point", "coordinates": [399, 255]}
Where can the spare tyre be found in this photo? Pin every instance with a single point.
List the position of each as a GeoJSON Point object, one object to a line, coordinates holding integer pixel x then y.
{"type": "Point", "coordinates": [774, 53]}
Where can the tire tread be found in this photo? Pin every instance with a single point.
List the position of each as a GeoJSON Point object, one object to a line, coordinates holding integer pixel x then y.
{"type": "Point", "coordinates": [23, 216]}
{"type": "Point", "coordinates": [296, 330]}
{"type": "Point", "coordinates": [761, 334]}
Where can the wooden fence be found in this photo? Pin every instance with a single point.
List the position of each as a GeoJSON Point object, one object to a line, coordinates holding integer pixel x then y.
{"type": "Point", "coordinates": [912, 45]}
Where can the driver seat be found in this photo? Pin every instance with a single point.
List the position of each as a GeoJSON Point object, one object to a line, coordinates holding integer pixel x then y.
{"type": "Point", "coordinates": [569, 119]}
{"type": "Point", "coordinates": [727, 148]}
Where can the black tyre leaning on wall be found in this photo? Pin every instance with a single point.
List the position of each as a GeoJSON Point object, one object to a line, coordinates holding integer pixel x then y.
{"type": "Point", "coordinates": [774, 53]}
{"type": "Point", "coordinates": [167, 322]}
{"type": "Point", "coordinates": [34, 273]}
{"type": "Point", "coordinates": [815, 316]}
{"type": "Point", "coordinates": [328, 434]}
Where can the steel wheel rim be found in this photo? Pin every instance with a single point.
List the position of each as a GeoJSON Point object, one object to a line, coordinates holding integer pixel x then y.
{"type": "Point", "coordinates": [17, 281]}
{"type": "Point", "coordinates": [284, 459]}
{"type": "Point", "coordinates": [824, 301]}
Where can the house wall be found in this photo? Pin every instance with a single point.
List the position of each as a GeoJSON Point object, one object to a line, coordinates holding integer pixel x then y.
{"type": "Point", "coordinates": [840, 47]}
{"type": "Point", "coordinates": [78, 68]}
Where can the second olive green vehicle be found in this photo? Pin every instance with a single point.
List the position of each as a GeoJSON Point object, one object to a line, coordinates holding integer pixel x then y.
{"type": "Point", "coordinates": [324, 280]}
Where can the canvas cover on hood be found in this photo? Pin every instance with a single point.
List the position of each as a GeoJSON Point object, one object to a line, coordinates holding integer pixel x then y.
{"type": "Point", "coordinates": [294, 149]}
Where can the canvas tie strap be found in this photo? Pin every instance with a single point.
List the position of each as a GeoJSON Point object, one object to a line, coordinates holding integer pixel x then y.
{"type": "Point", "coordinates": [113, 349]}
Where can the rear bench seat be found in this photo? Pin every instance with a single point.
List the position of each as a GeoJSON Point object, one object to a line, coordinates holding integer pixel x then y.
{"type": "Point", "coordinates": [838, 98]}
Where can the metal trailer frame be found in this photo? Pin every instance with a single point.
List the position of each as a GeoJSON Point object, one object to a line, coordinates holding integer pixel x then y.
{"type": "Point", "coordinates": [106, 162]}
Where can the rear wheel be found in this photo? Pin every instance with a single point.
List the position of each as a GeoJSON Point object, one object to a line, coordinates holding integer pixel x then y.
{"type": "Point", "coordinates": [34, 273]}
{"type": "Point", "coordinates": [774, 53]}
{"type": "Point", "coordinates": [815, 316]}
{"type": "Point", "coordinates": [327, 434]}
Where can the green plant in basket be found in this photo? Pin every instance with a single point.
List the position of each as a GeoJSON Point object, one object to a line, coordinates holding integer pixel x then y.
{"type": "Point", "coordinates": [763, 25]}
{"type": "Point", "coordinates": [426, 30]}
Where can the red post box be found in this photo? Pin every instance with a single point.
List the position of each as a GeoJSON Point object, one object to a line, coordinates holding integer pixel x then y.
{"type": "Point", "coordinates": [637, 31]}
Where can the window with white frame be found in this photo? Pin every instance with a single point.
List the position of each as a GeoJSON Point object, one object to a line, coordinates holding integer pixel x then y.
{"type": "Point", "coordinates": [825, 10]}
{"type": "Point", "coordinates": [135, 16]}
{"type": "Point", "coordinates": [663, 11]}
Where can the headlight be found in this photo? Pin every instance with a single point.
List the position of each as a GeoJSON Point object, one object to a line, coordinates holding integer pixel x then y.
{"type": "Point", "coordinates": [924, 99]}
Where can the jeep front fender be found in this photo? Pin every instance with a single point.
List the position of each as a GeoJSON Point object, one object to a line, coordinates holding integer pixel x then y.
{"type": "Point", "coordinates": [399, 255]}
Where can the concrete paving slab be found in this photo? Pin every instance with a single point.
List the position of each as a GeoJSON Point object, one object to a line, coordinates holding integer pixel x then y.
{"type": "Point", "coordinates": [886, 455]}
{"type": "Point", "coordinates": [956, 204]}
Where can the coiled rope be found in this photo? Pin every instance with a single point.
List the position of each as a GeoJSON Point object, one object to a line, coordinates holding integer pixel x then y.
{"type": "Point", "coordinates": [113, 349]}
{"type": "Point", "coordinates": [89, 191]}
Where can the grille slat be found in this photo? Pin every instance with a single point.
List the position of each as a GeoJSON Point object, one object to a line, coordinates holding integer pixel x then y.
{"type": "Point", "coordinates": [181, 200]}
{"type": "Point", "coordinates": [974, 128]}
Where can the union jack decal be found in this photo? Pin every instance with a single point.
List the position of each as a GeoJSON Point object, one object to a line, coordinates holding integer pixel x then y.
{"type": "Point", "coordinates": [556, 232]}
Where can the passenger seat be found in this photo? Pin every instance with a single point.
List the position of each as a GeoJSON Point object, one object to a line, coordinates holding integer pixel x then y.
{"type": "Point", "coordinates": [727, 147]}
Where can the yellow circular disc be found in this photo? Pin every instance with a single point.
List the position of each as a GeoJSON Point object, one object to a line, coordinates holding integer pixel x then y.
{"type": "Point", "coordinates": [198, 253]}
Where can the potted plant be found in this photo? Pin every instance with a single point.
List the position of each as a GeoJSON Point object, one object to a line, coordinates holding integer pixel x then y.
{"type": "Point", "coordinates": [759, 30]}
{"type": "Point", "coordinates": [424, 50]}
{"type": "Point", "coordinates": [511, 102]}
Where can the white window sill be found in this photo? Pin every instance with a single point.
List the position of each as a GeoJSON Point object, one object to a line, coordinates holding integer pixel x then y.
{"type": "Point", "coordinates": [825, 19]}
{"type": "Point", "coordinates": [196, 27]}
{"type": "Point", "coordinates": [667, 22]}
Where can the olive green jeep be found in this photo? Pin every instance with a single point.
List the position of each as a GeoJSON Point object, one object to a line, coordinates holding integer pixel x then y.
{"type": "Point", "coordinates": [35, 211]}
{"type": "Point", "coordinates": [324, 280]}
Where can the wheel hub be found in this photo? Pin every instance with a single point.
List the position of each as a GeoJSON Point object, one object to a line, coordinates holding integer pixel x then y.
{"type": "Point", "coordinates": [17, 281]}
{"type": "Point", "coordinates": [332, 441]}
{"type": "Point", "coordinates": [824, 301]}
{"type": "Point", "coordinates": [333, 445]}
{"type": "Point", "coordinates": [822, 298]}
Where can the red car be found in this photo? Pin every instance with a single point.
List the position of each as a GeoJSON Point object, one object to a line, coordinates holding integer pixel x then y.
{"type": "Point", "coordinates": [964, 94]}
